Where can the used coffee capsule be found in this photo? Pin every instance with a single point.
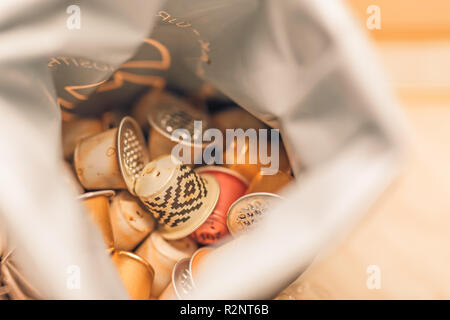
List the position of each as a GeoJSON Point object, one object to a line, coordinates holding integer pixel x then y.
{"type": "Point", "coordinates": [236, 117]}
{"type": "Point", "coordinates": [130, 222]}
{"type": "Point", "coordinates": [163, 254]}
{"type": "Point", "coordinates": [248, 210]}
{"type": "Point", "coordinates": [97, 205]}
{"type": "Point", "coordinates": [179, 199]}
{"type": "Point", "coordinates": [181, 282]}
{"type": "Point", "coordinates": [76, 130]}
{"type": "Point", "coordinates": [183, 275]}
{"type": "Point", "coordinates": [136, 274]}
{"type": "Point", "coordinates": [241, 161]}
{"type": "Point", "coordinates": [169, 113]}
{"type": "Point", "coordinates": [112, 159]}
{"type": "Point", "coordinates": [196, 261]}
{"type": "Point", "coordinates": [232, 186]}
{"type": "Point", "coordinates": [269, 183]}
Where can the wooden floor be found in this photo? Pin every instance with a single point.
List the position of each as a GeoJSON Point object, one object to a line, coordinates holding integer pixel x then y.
{"type": "Point", "coordinates": [407, 233]}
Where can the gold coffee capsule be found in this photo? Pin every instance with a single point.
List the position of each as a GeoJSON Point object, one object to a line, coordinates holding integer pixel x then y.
{"type": "Point", "coordinates": [111, 159]}
{"type": "Point", "coordinates": [97, 205]}
{"type": "Point", "coordinates": [163, 254]}
{"type": "Point", "coordinates": [181, 282]}
{"type": "Point", "coordinates": [179, 199]}
{"type": "Point", "coordinates": [248, 210]}
{"type": "Point", "coordinates": [76, 130]}
{"type": "Point", "coordinates": [169, 113]}
{"type": "Point", "coordinates": [241, 162]}
{"type": "Point", "coordinates": [129, 221]}
{"type": "Point", "coordinates": [236, 117]}
{"type": "Point", "coordinates": [136, 274]}
{"type": "Point", "coordinates": [269, 183]}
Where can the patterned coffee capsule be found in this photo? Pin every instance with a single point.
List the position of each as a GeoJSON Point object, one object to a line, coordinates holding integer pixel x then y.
{"type": "Point", "coordinates": [269, 183]}
{"type": "Point", "coordinates": [169, 113]}
{"type": "Point", "coordinates": [181, 284]}
{"type": "Point", "coordinates": [130, 222]}
{"type": "Point", "coordinates": [163, 254]}
{"type": "Point", "coordinates": [232, 186]}
{"type": "Point", "coordinates": [179, 199]}
{"type": "Point", "coordinates": [136, 274]}
{"type": "Point", "coordinates": [76, 130]}
{"type": "Point", "coordinates": [248, 210]}
{"type": "Point", "coordinates": [111, 159]}
{"type": "Point", "coordinates": [97, 205]}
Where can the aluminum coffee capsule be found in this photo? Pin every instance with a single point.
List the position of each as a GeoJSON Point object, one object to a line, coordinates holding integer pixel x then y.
{"type": "Point", "coordinates": [269, 183]}
{"type": "Point", "coordinates": [169, 113]}
{"type": "Point", "coordinates": [112, 159]}
{"type": "Point", "coordinates": [179, 199]}
{"type": "Point", "coordinates": [97, 205]}
{"type": "Point", "coordinates": [248, 210]}
{"type": "Point", "coordinates": [130, 222]}
{"type": "Point", "coordinates": [76, 130]}
{"type": "Point", "coordinates": [181, 282]}
{"type": "Point", "coordinates": [163, 254]}
{"type": "Point", "coordinates": [232, 186]}
{"type": "Point", "coordinates": [136, 274]}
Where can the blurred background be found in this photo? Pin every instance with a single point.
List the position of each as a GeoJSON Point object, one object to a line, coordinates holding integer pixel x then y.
{"type": "Point", "coordinates": [400, 249]}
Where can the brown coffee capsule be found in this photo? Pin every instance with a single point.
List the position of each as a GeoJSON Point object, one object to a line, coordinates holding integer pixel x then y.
{"type": "Point", "coordinates": [136, 274]}
{"type": "Point", "coordinates": [179, 199]}
{"type": "Point", "coordinates": [169, 113]}
{"type": "Point", "coordinates": [269, 183]}
{"type": "Point", "coordinates": [111, 159]}
{"type": "Point", "coordinates": [236, 117]}
{"type": "Point", "coordinates": [163, 254]}
{"type": "Point", "coordinates": [181, 283]}
{"type": "Point", "coordinates": [76, 130]}
{"type": "Point", "coordinates": [248, 210]}
{"type": "Point", "coordinates": [130, 222]}
{"type": "Point", "coordinates": [97, 205]}
{"type": "Point", "coordinates": [241, 162]}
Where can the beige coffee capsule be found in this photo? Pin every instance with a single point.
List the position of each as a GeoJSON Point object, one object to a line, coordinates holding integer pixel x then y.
{"type": "Point", "coordinates": [181, 283]}
{"type": "Point", "coordinates": [76, 130]}
{"type": "Point", "coordinates": [169, 113]}
{"type": "Point", "coordinates": [163, 254]}
{"type": "Point", "coordinates": [248, 210]}
{"type": "Point", "coordinates": [130, 222]}
{"type": "Point", "coordinates": [97, 205]}
{"type": "Point", "coordinates": [111, 159]}
{"type": "Point", "coordinates": [136, 274]}
{"type": "Point", "coordinates": [179, 199]}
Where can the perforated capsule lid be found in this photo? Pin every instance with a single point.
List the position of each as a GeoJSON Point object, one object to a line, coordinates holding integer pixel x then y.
{"type": "Point", "coordinates": [182, 279]}
{"type": "Point", "coordinates": [248, 210]}
{"type": "Point", "coordinates": [132, 151]}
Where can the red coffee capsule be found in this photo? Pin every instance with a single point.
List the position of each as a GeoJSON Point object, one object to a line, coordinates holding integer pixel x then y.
{"type": "Point", "coordinates": [232, 186]}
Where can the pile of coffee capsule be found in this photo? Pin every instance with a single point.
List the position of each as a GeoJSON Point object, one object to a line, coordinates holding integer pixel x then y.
{"type": "Point", "coordinates": [159, 216]}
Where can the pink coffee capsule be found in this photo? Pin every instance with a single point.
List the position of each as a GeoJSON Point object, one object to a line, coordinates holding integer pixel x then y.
{"type": "Point", "coordinates": [232, 186]}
